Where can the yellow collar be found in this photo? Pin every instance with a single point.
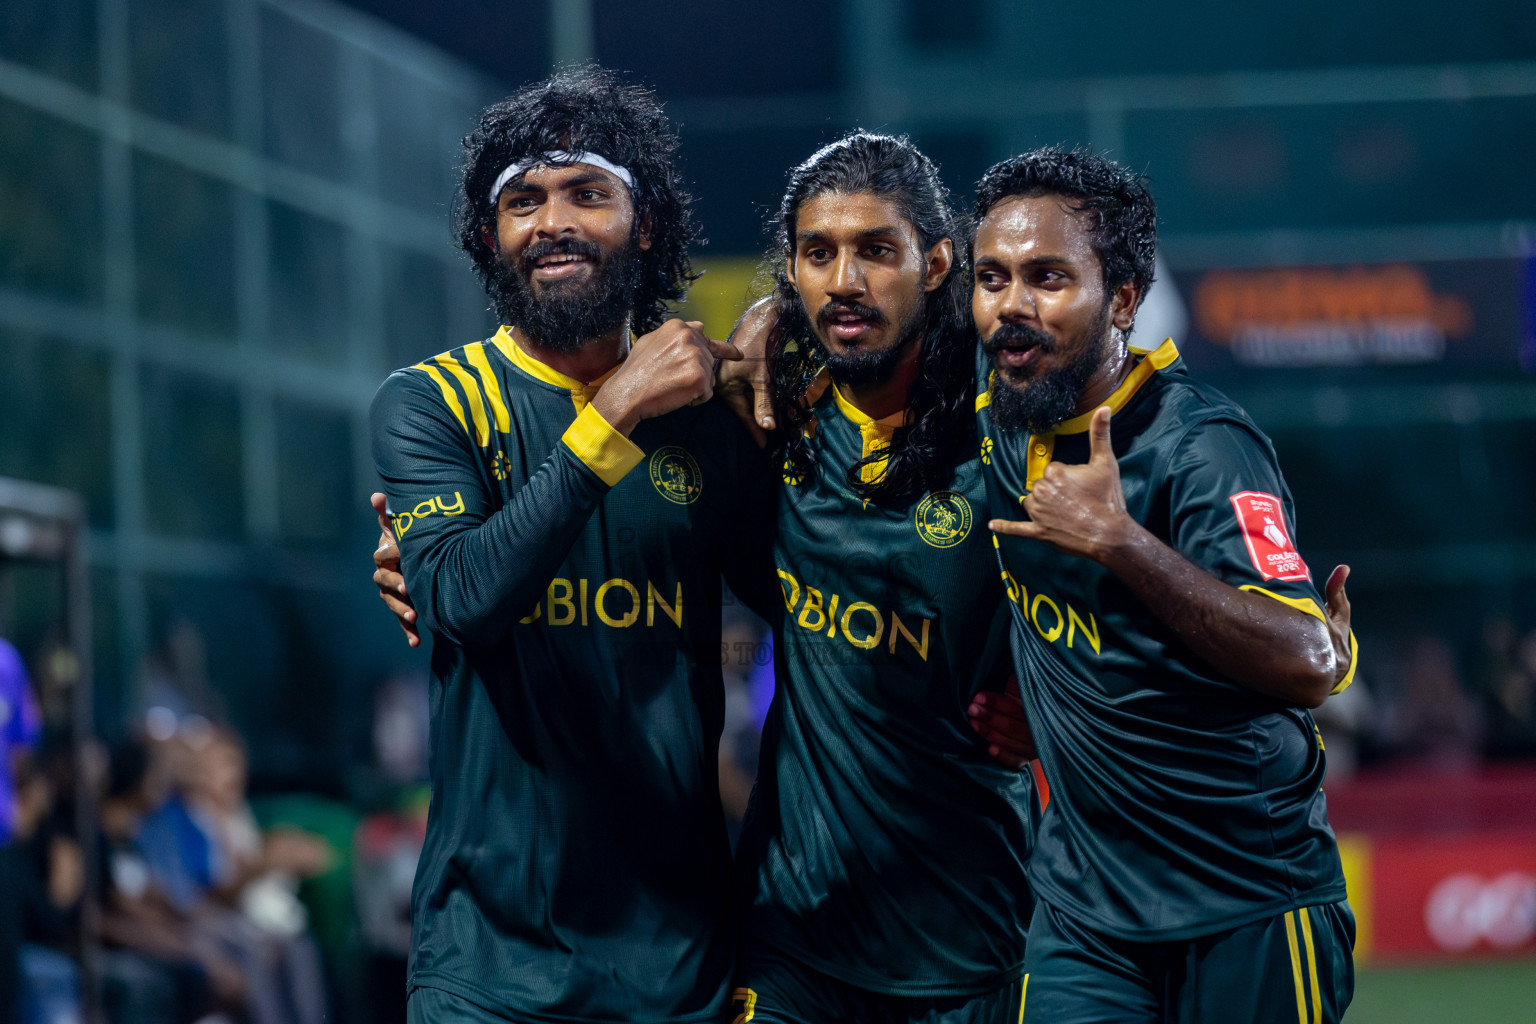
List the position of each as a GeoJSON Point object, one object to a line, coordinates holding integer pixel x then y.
{"type": "Point", "coordinates": [875, 434]}
{"type": "Point", "coordinates": [862, 419]}
{"type": "Point", "coordinates": [1157, 359]}
{"type": "Point", "coordinates": [581, 393]}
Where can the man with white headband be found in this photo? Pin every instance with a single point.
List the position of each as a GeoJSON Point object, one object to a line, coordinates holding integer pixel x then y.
{"type": "Point", "coordinates": [563, 500]}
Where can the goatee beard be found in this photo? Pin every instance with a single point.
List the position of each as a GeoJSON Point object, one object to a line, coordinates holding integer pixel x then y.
{"type": "Point", "coordinates": [565, 315]}
{"type": "Point", "coordinates": [863, 366]}
{"type": "Point", "coordinates": [1038, 404]}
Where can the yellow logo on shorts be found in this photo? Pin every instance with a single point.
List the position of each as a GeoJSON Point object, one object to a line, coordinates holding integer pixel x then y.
{"type": "Point", "coordinates": [676, 475]}
{"type": "Point", "coordinates": [943, 519]}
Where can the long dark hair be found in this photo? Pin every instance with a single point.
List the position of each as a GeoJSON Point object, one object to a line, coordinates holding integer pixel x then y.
{"type": "Point", "coordinates": [939, 424]}
{"type": "Point", "coordinates": [587, 109]}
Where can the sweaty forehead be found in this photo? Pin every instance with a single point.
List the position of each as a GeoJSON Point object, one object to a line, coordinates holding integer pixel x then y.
{"type": "Point", "coordinates": [1027, 227]}
{"type": "Point", "coordinates": [844, 214]}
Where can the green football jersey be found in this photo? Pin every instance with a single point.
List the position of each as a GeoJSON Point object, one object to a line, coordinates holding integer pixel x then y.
{"type": "Point", "coordinates": [576, 865]}
{"type": "Point", "coordinates": [882, 846]}
{"type": "Point", "coordinates": [1181, 804]}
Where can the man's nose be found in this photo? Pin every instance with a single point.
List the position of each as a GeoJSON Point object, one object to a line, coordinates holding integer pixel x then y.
{"type": "Point", "coordinates": [847, 277]}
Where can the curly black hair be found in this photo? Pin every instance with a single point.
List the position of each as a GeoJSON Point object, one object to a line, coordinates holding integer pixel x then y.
{"type": "Point", "coordinates": [587, 109]}
{"type": "Point", "coordinates": [1124, 231]}
{"type": "Point", "coordinates": [921, 455]}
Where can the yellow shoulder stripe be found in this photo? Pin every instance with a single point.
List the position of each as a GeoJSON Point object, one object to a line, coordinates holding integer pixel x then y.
{"type": "Point", "coordinates": [471, 394]}
{"type": "Point", "coordinates": [449, 397]}
{"type": "Point", "coordinates": [475, 356]}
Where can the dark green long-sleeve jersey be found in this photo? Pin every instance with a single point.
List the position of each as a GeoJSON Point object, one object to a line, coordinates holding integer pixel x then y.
{"type": "Point", "coordinates": [576, 866]}
{"type": "Point", "coordinates": [883, 846]}
{"type": "Point", "coordinates": [1181, 803]}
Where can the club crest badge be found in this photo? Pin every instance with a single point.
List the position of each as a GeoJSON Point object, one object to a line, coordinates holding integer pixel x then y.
{"type": "Point", "coordinates": [675, 475]}
{"type": "Point", "coordinates": [943, 519]}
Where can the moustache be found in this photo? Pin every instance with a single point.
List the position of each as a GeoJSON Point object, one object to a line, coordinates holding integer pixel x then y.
{"type": "Point", "coordinates": [560, 247]}
{"type": "Point", "coordinates": [1017, 336]}
{"type": "Point", "coordinates": [857, 309]}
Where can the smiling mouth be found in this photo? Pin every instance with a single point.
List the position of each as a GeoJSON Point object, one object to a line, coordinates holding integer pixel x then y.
{"type": "Point", "coordinates": [560, 264]}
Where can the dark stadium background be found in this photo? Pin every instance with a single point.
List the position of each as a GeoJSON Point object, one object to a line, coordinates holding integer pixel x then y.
{"type": "Point", "coordinates": [222, 223]}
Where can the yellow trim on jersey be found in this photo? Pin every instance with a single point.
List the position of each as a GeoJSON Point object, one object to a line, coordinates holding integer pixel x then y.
{"type": "Point", "coordinates": [1306, 934]}
{"type": "Point", "coordinates": [449, 395]}
{"type": "Point", "coordinates": [876, 434]}
{"type": "Point", "coordinates": [1301, 995]}
{"type": "Point", "coordinates": [581, 394]}
{"type": "Point", "coordinates": [1354, 662]}
{"type": "Point", "coordinates": [606, 452]}
{"type": "Point", "coordinates": [1023, 997]}
{"type": "Point", "coordinates": [471, 394]}
{"type": "Point", "coordinates": [475, 356]}
{"type": "Point", "coordinates": [1301, 604]}
{"type": "Point", "coordinates": [1306, 604]}
{"type": "Point", "coordinates": [1041, 448]}
{"type": "Point", "coordinates": [1159, 358]}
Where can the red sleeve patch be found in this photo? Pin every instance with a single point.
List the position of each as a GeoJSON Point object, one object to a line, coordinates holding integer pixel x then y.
{"type": "Point", "coordinates": [1262, 520]}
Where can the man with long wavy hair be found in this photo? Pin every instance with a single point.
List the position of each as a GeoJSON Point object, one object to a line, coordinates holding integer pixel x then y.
{"type": "Point", "coordinates": [882, 856]}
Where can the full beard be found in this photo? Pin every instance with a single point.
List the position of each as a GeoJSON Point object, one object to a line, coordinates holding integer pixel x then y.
{"type": "Point", "coordinates": [565, 315]}
{"type": "Point", "coordinates": [1039, 403]}
{"type": "Point", "coordinates": [868, 366]}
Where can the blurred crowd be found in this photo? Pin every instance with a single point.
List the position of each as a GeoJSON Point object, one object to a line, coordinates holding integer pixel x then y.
{"type": "Point", "coordinates": [180, 898]}
{"type": "Point", "coordinates": [1421, 703]}
{"type": "Point", "coordinates": [172, 898]}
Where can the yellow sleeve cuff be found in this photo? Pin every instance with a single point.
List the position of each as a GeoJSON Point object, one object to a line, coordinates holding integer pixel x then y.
{"type": "Point", "coordinates": [1310, 607]}
{"type": "Point", "coordinates": [605, 451]}
{"type": "Point", "coordinates": [1354, 663]}
{"type": "Point", "coordinates": [1301, 604]}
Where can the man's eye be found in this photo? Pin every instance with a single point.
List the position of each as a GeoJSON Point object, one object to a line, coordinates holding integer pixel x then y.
{"type": "Point", "coordinates": [589, 194]}
{"type": "Point", "coordinates": [876, 251]}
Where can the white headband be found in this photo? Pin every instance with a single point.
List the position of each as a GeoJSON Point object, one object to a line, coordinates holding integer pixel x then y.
{"type": "Point", "coordinates": [562, 157]}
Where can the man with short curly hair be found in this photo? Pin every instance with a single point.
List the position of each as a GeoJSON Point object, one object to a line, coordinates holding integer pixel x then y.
{"type": "Point", "coordinates": [564, 502]}
{"type": "Point", "coordinates": [1167, 636]}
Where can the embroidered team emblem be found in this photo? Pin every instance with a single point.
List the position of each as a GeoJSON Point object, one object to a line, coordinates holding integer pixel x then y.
{"type": "Point", "coordinates": [943, 519]}
{"type": "Point", "coordinates": [501, 467]}
{"type": "Point", "coordinates": [792, 476]}
{"type": "Point", "coordinates": [676, 475]}
{"type": "Point", "coordinates": [1262, 520]}
{"type": "Point", "coordinates": [986, 451]}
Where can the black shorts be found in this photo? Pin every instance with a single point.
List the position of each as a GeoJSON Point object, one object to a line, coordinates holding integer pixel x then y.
{"type": "Point", "coordinates": [439, 1006]}
{"type": "Point", "coordinates": [772, 988]}
{"type": "Point", "coordinates": [1296, 968]}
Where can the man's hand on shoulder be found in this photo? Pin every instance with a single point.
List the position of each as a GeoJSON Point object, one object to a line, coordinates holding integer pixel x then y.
{"type": "Point", "coordinates": [387, 577]}
{"type": "Point", "coordinates": [746, 384]}
{"type": "Point", "coordinates": [669, 368]}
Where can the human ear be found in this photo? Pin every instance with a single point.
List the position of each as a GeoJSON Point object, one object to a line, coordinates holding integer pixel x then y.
{"type": "Point", "coordinates": [646, 224]}
{"type": "Point", "coordinates": [1122, 308]}
{"type": "Point", "coordinates": [488, 237]}
{"type": "Point", "coordinates": [940, 259]}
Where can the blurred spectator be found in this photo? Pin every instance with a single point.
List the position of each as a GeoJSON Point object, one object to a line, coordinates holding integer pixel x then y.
{"type": "Point", "coordinates": [153, 969]}
{"type": "Point", "coordinates": [1433, 720]}
{"type": "Point", "coordinates": [235, 887]}
{"type": "Point", "coordinates": [1506, 684]}
{"type": "Point", "coordinates": [20, 725]}
{"type": "Point", "coordinates": [49, 875]}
